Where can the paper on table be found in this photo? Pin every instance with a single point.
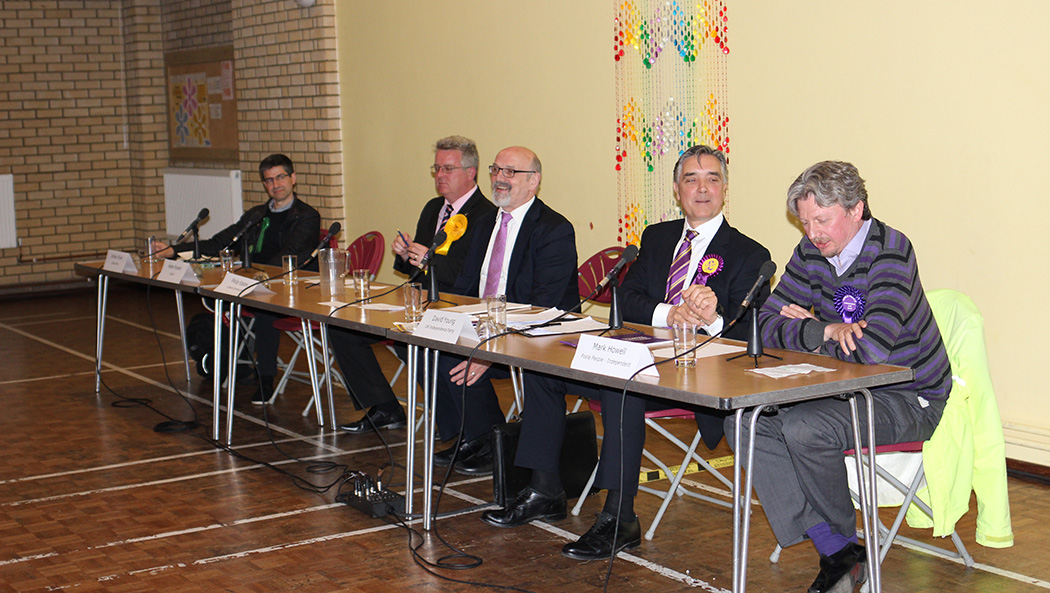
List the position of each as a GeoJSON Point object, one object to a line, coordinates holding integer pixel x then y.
{"type": "Point", "coordinates": [576, 326]}
{"type": "Point", "coordinates": [787, 370]}
{"type": "Point", "coordinates": [333, 303]}
{"type": "Point", "coordinates": [518, 319]}
{"type": "Point", "coordinates": [478, 308]}
{"type": "Point", "coordinates": [382, 307]}
{"type": "Point", "coordinates": [712, 349]}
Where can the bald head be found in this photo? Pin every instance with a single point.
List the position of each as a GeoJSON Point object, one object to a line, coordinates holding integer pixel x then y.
{"type": "Point", "coordinates": [517, 177]}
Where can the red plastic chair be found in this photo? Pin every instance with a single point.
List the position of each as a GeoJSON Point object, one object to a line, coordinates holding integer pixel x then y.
{"type": "Point", "coordinates": [594, 269]}
{"type": "Point", "coordinates": [366, 253]}
{"type": "Point", "coordinates": [293, 327]}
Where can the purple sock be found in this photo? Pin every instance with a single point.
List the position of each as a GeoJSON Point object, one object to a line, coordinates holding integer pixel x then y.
{"type": "Point", "coordinates": [827, 542]}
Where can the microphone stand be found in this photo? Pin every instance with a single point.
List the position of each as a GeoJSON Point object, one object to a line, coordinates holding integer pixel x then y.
{"type": "Point", "coordinates": [754, 343]}
{"type": "Point", "coordinates": [196, 244]}
{"type": "Point", "coordinates": [615, 313]}
{"type": "Point", "coordinates": [433, 295]}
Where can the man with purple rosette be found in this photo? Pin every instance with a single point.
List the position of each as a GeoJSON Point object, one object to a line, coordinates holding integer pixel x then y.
{"type": "Point", "coordinates": [687, 270]}
{"type": "Point", "coordinates": [852, 291]}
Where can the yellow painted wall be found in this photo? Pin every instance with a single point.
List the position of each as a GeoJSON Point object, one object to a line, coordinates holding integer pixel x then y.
{"type": "Point", "coordinates": [943, 106]}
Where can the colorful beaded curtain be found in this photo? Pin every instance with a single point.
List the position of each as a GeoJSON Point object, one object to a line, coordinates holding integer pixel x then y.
{"type": "Point", "coordinates": [671, 91]}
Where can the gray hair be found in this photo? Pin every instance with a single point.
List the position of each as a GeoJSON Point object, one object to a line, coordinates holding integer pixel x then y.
{"type": "Point", "coordinates": [465, 146]}
{"type": "Point", "coordinates": [829, 183]}
{"type": "Point", "coordinates": [697, 151]}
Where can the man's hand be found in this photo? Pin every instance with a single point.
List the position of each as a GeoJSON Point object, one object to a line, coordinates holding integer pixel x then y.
{"type": "Point", "coordinates": [163, 253]}
{"type": "Point", "coordinates": [795, 312]}
{"type": "Point", "coordinates": [477, 369]}
{"type": "Point", "coordinates": [845, 334]}
{"type": "Point", "coordinates": [409, 251]}
{"type": "Point", "coordinates": [699, 306]}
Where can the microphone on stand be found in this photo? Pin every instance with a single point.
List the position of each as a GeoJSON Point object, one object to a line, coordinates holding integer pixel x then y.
{"type": "Point", "coordinates": [248, 224]}
{"type": "Point", "coordinates": [615, 313]}
{"type": "Point", "coordinates": [325, 240]}
{"type": "Point", "coordinates": [193, 225]}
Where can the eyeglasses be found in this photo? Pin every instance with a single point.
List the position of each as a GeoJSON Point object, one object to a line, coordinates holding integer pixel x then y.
{"type": "Point", "coordinates": [271, 180]}
{"type": "Point", "coordinates": [495, 170]}
{"type": "Point", "coordinates": [446, 169]}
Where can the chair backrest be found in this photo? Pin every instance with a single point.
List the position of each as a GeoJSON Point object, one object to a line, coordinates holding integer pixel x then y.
{"type": "Point", "coordinates": [594, 269]}
{"type": "Point", "coordinates": [366, 252]}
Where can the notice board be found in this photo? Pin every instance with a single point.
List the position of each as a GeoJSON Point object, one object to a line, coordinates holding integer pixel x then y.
{"type": "Point", "coordinates": [202, 105]}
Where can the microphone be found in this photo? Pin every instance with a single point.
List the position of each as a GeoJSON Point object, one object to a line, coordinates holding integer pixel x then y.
{"type": "Point", "coordinates": [764, 274]}
{"type": "Point", "coordinates": [454, 228]}
{"type": "Point", "coordinates": [332, 231]}
{"type": "Point", "coordinates": [200, 216]}
{"type": "Point", "coordinates": [439, 239]}
{"type": "Point", "coordinates": [248, 224]}
{"type": "Point", "coordinates": [629, 254]}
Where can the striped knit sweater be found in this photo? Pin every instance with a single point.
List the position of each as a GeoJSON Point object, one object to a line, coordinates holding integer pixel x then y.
{"type": "Point", "coordinates": [901, 328]}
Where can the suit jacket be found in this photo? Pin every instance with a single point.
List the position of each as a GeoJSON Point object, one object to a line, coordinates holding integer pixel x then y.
{"type": "Point", "coordinates": [645, 286]}
{"type": "Point", "coordinates": [448, 267]}
{"type": "Point", "coordinates": [542, 268]}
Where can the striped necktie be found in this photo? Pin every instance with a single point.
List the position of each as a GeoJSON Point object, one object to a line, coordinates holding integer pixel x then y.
{"type": "Point", "coordinates": [679, 268]}
{"type": "Point", "coordinates": [445, 215]}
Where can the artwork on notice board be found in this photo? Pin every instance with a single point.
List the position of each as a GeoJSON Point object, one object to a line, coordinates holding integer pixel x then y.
{"type": "Point", "coordinates": [202, 108]}
{"type": "Point", "coordinates": [671, 91]}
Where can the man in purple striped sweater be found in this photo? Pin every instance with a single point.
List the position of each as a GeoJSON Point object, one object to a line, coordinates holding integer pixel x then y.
{"type": "Point", "coordinates": [852, 291]}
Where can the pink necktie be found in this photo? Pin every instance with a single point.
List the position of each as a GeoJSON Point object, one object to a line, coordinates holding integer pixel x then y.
{"type": "Point", "coordinates": [676, 278]}
{"type": "Point", "coordinates": [496, 261]}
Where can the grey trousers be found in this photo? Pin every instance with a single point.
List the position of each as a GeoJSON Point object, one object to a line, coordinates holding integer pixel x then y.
{"type": "Point", "coordinates": [800, 476]}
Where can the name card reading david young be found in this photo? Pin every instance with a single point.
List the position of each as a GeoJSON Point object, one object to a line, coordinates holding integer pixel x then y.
{"type": "Point", "coordinates": [177, 272]}
{"type": "Point", "coordinates": [120, 262]}
{"type": "Point", "coordinates": [235, 285]}
{"type": "Point", "coordinates": [444, 326]}
{"type": "Point", "coordinates": [613, 358]}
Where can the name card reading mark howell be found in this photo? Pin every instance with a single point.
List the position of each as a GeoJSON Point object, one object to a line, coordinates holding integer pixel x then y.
{"type": "Point", "coordinates": [613, 358]}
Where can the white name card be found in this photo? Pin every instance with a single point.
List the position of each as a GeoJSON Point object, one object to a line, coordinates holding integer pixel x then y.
{"type": "Point", "coordinates": [120, 262]}
{"type": "Point", "coordinates": [612, 358]}
{"type": "Point", "coordinates": [235, 285]}
{"type": "Point", "coordinates": [444, 326]}
{"type": "Point", "coordinates": [177, 272]}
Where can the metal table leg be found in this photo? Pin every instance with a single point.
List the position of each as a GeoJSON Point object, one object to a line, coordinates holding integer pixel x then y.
{"type": "Point", "coordinates": [311, 362]}
{"type": "Point", "coordinates": [100, 328]}
{"type": "Point", "coordinates": [429, 397]}
{"type": "Point", "coordinates": [410, 448]}
{"type": "Point", "coordinates": [182, 333]}
{"type": "Point", "coordinates": [216, 353]}
{"type": "Point", "coordinates": [869, 504]}
{"type": "Point", "coordinates": [328, 374]}
{"type": "Point", "coordinates": [231, 370]}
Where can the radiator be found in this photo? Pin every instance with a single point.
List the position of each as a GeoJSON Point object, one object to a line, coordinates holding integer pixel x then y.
{"type": "Point", "coordinates": [8, 233]}
{"type": "Point", "coordinates": [186, 191]}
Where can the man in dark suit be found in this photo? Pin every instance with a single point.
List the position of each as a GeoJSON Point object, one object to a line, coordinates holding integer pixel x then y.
{"type": "Point", "coordinates": [455, 173]}
{"type": "Point", "coordinates": [686, 272]}
{"type": "Point", "coordinates": [527, 251]}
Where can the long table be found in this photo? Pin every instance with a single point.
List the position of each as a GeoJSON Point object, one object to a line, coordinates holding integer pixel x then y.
{"type": "Point", "coordinates": [714, 383]}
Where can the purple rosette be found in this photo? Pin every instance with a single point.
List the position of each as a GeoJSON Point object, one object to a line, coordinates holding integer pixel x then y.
{"type": "Point", "coordinates": [849, 302]}
{"type": "Point", "coordinates": [709, 265]}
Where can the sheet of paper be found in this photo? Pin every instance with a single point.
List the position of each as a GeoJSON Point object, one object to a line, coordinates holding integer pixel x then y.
{"type": "Point", "coordinates": [788, 370]}
{"type": "Point", "coordinates": [587, 324]}
{"type": "Point", "coordinates": [478, 308]}
{"type": "Point", "coordinates": [382, 307]}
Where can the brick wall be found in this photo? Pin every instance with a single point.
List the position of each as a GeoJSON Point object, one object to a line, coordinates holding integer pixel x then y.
{"type": "Point", "coordinates": [288, 97]}
{"type": "Point", "coordinates": [82, 114]}
{"type": "Point", "coordinates": [62, 115]}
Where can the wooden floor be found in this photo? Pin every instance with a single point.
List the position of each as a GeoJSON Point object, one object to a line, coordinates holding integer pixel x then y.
{"type": "Point", "coordinates": [93, 499]}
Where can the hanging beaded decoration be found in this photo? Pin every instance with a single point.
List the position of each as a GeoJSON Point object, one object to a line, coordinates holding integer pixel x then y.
{"type": "Point", "coordinates": [671, 93]}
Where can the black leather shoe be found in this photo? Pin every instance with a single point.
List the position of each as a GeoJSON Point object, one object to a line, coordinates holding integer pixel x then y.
{"type": "Point", "coordinates": [840, 572]}
{"type": "Point", "coordinates": [597, 543]}
{"type": "Point", "coordinates": [466, 450]}
{"type": "Point", "coordinates": [262, 395]}
{"type": "Point", "coordinates": [479, 462]}
{"type": "Point", "coordinates": [527, 506]}
{"type": "Point", "coordinates": [381, 420]}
